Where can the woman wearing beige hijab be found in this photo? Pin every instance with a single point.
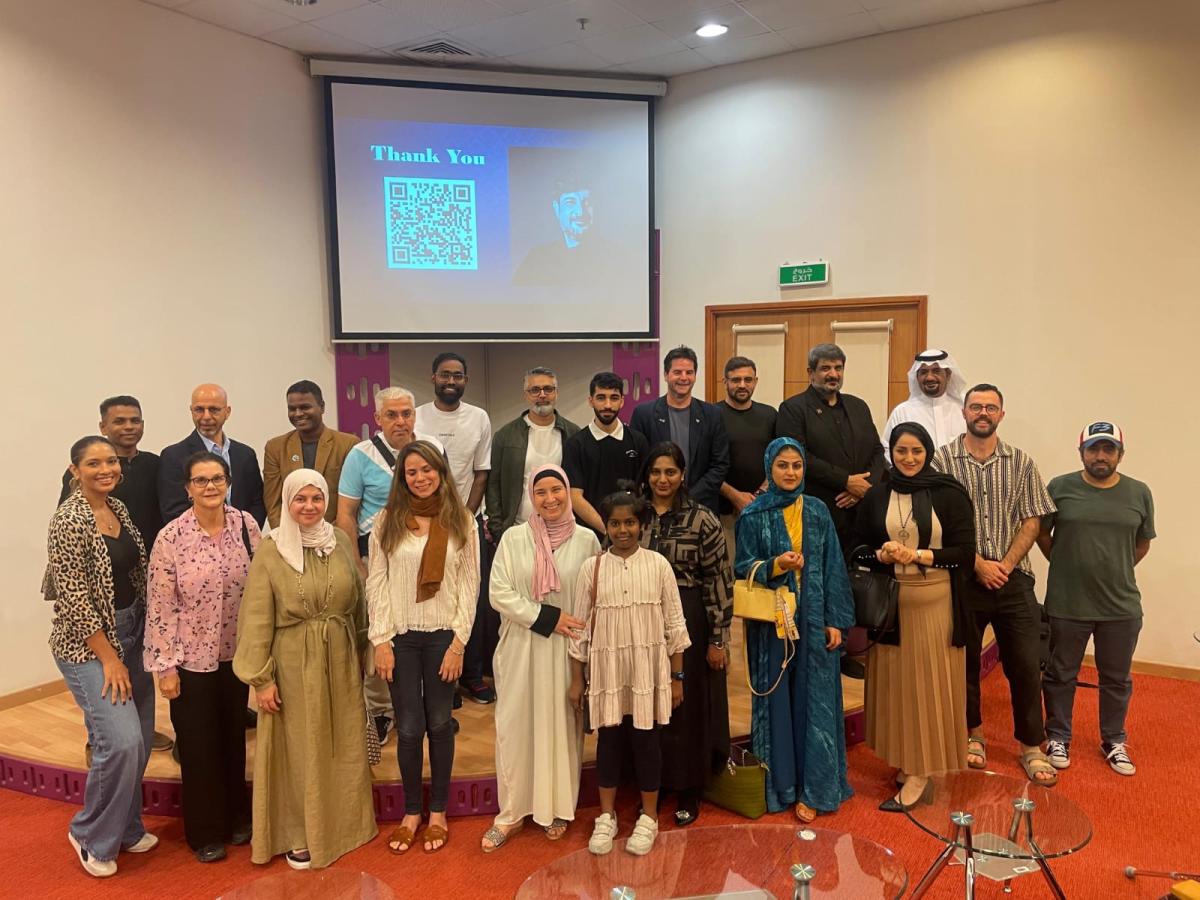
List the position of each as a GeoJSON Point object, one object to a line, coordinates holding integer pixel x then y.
{"type": "Point", "coordinates": [301, 635]}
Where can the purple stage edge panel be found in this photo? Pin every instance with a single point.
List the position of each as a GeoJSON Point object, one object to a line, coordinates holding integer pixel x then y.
{"type": "Point", "coordinates": [360, 370]}
{"type": "Point", "coordinates": [637, 363]}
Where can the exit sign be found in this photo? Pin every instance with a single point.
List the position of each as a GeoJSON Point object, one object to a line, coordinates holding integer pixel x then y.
{"type": "Point", "coordinates": [804, 273]}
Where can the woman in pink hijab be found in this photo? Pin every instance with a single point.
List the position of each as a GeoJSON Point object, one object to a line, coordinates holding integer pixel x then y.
{"type": "Point", "coordinates": [539, 736]}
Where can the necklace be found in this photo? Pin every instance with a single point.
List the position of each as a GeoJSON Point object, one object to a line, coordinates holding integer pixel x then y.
{"type": "Point", "coordinates": [904, 535]}
{"type": "Point", "coordinates": [106, 521]}
{"type": "Point", "coordinates": [322, 563]}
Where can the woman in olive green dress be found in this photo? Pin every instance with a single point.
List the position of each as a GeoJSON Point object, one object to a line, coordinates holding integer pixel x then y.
{"type": "Point", "coordinates": [301, 634]}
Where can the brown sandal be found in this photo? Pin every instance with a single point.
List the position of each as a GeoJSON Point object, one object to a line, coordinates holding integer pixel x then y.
{"type": "Point", "coordinates": [805, 813]}
{"type": "Point", "coordinates": [402, 836]}
{"type": "Point", "coordinates": [981, 753]}
{"type": "Point", "coordinates": [432, 833]}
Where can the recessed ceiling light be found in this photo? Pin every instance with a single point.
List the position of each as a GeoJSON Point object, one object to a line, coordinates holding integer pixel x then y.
{"type": "Point", "coordinates": [302, 2]}
{"type": "Point", "coordinates": [711, 30]}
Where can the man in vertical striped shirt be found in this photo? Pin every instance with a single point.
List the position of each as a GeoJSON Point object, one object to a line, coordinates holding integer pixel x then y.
{"type": "Point", "coordinates": [1010, 498]}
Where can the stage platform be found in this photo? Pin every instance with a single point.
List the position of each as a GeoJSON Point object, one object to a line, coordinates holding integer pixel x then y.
{"type": "Point", "coordinates": [42, 750]}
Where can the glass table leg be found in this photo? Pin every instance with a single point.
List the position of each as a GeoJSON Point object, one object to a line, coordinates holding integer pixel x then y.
{"type": "Point", "coordinates": [964, 821]}
{"type": "Point", "coordinates": [962, 837]}
{"type": "Point", "coordinates": [1022, 809]}
{"type": "Point", "coordinates": [1045, 867]}
{"type": "Point", "coordinates": [934, 871]}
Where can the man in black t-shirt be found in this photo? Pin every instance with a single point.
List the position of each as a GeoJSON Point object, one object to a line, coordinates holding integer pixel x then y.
{"type": "Point", "coordinates": [751, 426]}
{"type": "Point", "coordinates": [597, 457]}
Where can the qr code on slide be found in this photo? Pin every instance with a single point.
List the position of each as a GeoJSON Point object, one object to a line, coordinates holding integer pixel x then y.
{"type": "Point", "coordinates": [430, 223]}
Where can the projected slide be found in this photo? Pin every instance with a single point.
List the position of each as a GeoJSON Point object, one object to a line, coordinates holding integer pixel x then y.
{"type": "Point", "coordinates": [489, 215]}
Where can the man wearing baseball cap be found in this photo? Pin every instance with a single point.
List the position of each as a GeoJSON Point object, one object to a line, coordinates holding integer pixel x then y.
{"type": "Point", "coordinates": [1102, 529]}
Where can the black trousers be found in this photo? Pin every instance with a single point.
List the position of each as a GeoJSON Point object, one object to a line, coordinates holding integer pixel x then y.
{"type": "Point", "coordinates": [422, 701]}
{"type": "Point", "coordinates": [477, 658]}
{"type": "Point", "coordinates": [209, 717]}
{"type": "Point", "coordinates": [614, 742]}
{"type": "Point", "coordinates": [1013, 613]}
{"type": "Point", "coordinates": [1115, 641]}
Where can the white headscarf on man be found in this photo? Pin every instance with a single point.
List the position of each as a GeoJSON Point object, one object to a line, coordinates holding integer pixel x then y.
{"type": "Point", "coordinates": [291, 537]}
{"type": "Point", "coordinates": [956, 389]}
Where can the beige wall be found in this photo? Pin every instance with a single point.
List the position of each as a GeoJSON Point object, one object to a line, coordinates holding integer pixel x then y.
{"type": "Point", "coordinates": [163, 225]}
{"type": "Point", "coordinates": [1036, 172]}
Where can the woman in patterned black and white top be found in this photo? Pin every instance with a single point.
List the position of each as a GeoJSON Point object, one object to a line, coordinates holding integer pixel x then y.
{"type": "Point", "coordinates": [696, 741]}
{"type": "Point", "coordinates": [96, 579]}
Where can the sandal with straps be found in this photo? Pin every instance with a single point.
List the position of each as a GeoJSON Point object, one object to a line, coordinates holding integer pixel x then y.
{"type": "Point", "coordinates": [498, 837]}
{"type": "Point", "coordinates": [805, 813]}
{"type": "Point", "coordinates": [556, 829]}
{"type": "Point", "coordinates": [981, 753]}
{"type": "Point", "coordinates": [401, 836]}
{"type": "Point", "coordinates": [1035, 763]}
{"type": "Point", "coordinates": [431, 835]}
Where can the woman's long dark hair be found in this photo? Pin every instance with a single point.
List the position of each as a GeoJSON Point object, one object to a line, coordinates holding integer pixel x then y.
{"type": "Point", "coordinates": [454, 516]}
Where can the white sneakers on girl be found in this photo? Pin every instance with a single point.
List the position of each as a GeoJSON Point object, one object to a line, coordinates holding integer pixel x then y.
{"type": "Point", "coordinates": [641, 841]}
{"type": "Point", "coordinates": [603, 833]}
{"type": "Point", "coordinates": [98, 868]}
{"type": "Point", "coordinates": [145, 844]}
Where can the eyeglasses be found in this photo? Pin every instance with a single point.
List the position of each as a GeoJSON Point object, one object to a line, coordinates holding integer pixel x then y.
{"type": "Point", "coordinates": [976, 408]}
{"type": "Point", "coordinates": [456, 377]}
{"type": "Point", "coordinates": [546, 390]}
{"type": "Point", "coordinates": [200, 482]}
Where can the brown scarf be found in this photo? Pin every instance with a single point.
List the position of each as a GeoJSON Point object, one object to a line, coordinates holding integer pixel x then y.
{"type": "Point", "coordinates": [433, 557]}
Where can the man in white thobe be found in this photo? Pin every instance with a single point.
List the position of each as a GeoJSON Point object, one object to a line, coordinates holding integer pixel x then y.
{"type": "Point", "coordinates": [936, 388]}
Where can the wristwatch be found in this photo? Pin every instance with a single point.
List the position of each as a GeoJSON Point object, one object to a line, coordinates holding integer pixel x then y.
{"type": "Point", "coordinates": [720, 645]}
{"type": "Point", "coordinates": [677, 676]}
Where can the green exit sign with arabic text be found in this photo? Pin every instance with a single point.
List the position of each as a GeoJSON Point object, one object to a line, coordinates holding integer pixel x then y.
{"type": "Point", "coordinates": [804, 273]}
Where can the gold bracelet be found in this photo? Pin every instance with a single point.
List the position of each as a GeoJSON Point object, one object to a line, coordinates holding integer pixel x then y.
{"type": "Point", "coordinates": [457, 652]}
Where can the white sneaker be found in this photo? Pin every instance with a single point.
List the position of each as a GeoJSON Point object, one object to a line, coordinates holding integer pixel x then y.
{"type": "Point", "coordinates": [1059, 754]}
{"type": "Point", "coordinates": [1118, 758]}
{"type": "Point", "coordinates": [645, 831]}
{"type": "Point", "coordinates": [96, 867]}
{"type": "Point", "coordinates": [145, 844]}
{"type": "Point", "coordinates": [603, 832]}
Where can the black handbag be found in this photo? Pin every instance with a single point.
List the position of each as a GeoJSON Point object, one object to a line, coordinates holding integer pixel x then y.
{"type": "Point", "coordinates": [876, 595]}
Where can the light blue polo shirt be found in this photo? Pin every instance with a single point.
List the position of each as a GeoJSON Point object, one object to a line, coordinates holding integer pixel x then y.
{"type": "Point", "coordinates": [367, 477]}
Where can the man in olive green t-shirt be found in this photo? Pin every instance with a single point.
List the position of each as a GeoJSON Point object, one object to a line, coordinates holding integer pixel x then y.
{"type": "Point", "coordinates": [1102, 529]}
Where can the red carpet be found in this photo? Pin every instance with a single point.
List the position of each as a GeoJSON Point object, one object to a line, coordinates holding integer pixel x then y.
{"type": "Point", "coordinates": [1151, 820]}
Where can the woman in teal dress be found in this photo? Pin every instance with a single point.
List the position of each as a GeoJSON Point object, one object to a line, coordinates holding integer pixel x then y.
{"type": "Point", "coordinates": [797, 729]}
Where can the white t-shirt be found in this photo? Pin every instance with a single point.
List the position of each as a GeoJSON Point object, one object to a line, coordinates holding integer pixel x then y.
{"type": "Point", "coordinates": [545, 448]}
{"type": "Point", "coordinates": [466, 433]}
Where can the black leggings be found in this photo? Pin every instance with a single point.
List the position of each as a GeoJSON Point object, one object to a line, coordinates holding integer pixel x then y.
{"type": "Point", "coordinates": [615, 741]}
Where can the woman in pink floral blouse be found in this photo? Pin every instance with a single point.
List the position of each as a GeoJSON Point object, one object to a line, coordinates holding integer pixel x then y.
{"type": "Point", "coordinates": [197, 572]}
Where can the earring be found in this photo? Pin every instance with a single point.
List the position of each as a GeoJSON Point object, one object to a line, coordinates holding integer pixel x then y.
{"type": "Point", "coordinates": [121, 479]}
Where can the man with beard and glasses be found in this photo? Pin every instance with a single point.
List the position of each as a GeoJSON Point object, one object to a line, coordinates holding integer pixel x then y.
{"type": "Point", "coordinates": [1101, 530]}
{"type": "Point", "coordinates": [606, 452]}
{"type": "Point", "coordinates": [750, 426]}
{"type": "Point", "coordinates": [694, 426]}
{"type": "Point", "coordinates": [531, 440]}
{"type": "Point", "coordinates": [466, 433]}
{"type": "Point", "coordinates": [309, 445]}
{"type": "Point", "coordinates": [845, 458]}
{"type": "Point", "coordinates": [935, 398]}
{"type": "Point", "coordinates": [1010, 500]}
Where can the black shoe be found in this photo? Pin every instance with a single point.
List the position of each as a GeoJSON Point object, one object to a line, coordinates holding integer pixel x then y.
{"type": "Point", "coordinates": [454, 722]}
{"type": "Point", "coordinates": [382, 725]}
{"type": "Point", "coordinates": [211, 853]}
{"type": "Point", "coordinates": [893, 804]}
{"type": "Point", "coordinates": [481, 692]}
{"type": "Point", "coordinates": [852, 668]}
{"type": "Point", "coordinates": [241, 836]}
{"type": "Point", "coordinates": [251, 718]}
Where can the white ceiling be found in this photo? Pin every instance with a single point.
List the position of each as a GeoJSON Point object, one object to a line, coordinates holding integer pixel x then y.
{"type": "Point", "coordinates": [652, 37]}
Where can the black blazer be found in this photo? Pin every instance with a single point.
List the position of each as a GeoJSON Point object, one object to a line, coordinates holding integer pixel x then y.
{"type": "Point", "coordinates": [246, 492]}
{"type": "Point", "coordinates": [708, 450]}
{"type": "Point", "coordinates": [956, 514]}
{"type": "Point", "coordinates": [807, 418]}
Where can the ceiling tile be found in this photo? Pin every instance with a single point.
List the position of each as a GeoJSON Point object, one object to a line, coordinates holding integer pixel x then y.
{"type": "Point", "coordinates": [548, 27]}
{"type": "Point", "coordinates": [446, 15]}
{"type": "Point", "coordinates": [169, 4]}
{"type": "Point", "coordinates": [657, 10]}
{"type": "Point", "coordinates": [520, 6]}
{"type": "Point", "coordinates": [237, 15]}
{"type": "Point", "coordinates": [308, 13]}
{"type": "Point", "coordinates": [831, 31]}
{"type": "Point", "coordinates": [563, 56]}
{"type": "Point", "coordinates": [924, 12]}
{"type": "Point", "coordinates": [780, 14]}
{"type": "Point", "coordinates": [313, 41]}
{"type": "Point", "coordinates": [672, 64]}
{"type": "Point", "coordinates": [376, 26]}
{"type": "Point", "coordinates": [992, 5]}
{"type": "Point", "coordinates": [683, 26]}
{"type": "Point", "coordinates": [631, 44]}
{"type": "Point", "coordinates": [739, 49]}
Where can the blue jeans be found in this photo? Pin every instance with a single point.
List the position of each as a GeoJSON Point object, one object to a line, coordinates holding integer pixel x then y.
{"type": "Point", "coordinates": [120, 735]}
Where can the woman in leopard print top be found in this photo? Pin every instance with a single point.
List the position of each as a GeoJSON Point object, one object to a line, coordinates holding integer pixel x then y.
{"type": "Point", "coordinates": [96, 579]}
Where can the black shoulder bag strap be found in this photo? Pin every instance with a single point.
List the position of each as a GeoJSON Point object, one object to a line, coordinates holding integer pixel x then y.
{"type": "Point", "coordinates": [385, 451]}
{"type": "Point", "coordinates": [246, 537]}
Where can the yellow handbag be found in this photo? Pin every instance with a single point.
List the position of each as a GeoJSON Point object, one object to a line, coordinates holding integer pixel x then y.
{"type": "Point", "coordinates": [752, 600]}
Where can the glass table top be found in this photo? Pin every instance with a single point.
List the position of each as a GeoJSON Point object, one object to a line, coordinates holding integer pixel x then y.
{"type": "Point", "coordinates": [746, 862]}
{"type": "Point", "coordinates": [1005, 813]}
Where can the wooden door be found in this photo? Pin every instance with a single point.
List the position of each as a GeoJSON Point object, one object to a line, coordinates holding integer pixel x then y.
{"type": "Point", "coordinates": [811, 322]}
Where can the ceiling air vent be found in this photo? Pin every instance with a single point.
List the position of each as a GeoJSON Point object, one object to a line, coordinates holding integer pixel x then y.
{"type": "Point", "coordinates": [435, 50]}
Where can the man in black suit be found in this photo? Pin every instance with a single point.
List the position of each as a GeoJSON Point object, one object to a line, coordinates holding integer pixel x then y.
{"type": "Point", "coordinates": [210, 410]}
{"type": "Point", "coordinates": [697, 427]}
{"type": "Point", "coordinates": [845, 457]}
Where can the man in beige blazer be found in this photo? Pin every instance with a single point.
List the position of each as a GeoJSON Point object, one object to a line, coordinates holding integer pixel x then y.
{"type": "Point", "coordinates": [310, 445]}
